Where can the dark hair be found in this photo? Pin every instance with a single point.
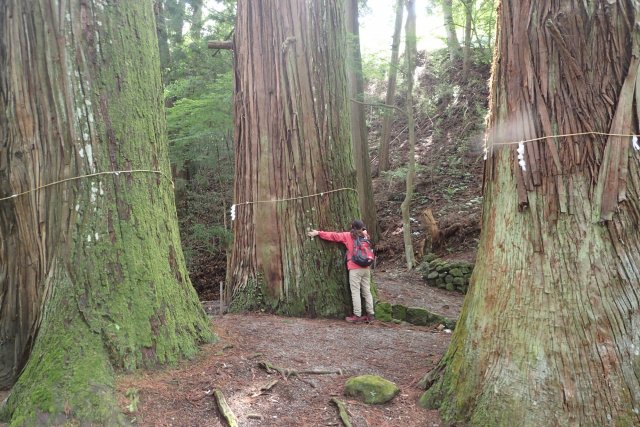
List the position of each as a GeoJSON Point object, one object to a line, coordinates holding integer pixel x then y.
{"type": "Point", "coordinates": [357, 228]}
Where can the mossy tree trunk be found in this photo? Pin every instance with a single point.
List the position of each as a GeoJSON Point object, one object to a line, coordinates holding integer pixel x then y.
{"type": "Point", "coordinates": [550, 328]}
{"type": "Point", "coordinates": [294, 162]}
{"type": "Point", "coordinates": [92, 277]}
{"type": "Point", "coordinates": [359, 132]}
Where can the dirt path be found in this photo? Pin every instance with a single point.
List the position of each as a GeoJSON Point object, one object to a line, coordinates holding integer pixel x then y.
{"type": "Point", "coordinates": [400, 353]}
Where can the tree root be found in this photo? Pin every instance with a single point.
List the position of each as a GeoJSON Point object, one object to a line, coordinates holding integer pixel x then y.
{"type": "Point", "coordinates": [224, 409]}
{"type": "Point", "coordinates": [286, 373]}
{"type": "Point", "coordinates": [342, 410]}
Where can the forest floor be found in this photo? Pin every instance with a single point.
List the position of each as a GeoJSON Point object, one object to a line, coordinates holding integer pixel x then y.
{"type": "Point", "coordinates": [400, 353]}
{"type": "Point", "coordinates": [448, 182]}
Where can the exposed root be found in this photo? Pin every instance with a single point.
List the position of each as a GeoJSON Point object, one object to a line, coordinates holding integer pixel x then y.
{"type": "Point", "coordinates": [342, 410]}
{"type": "Point", "coordinates": [224, 409]}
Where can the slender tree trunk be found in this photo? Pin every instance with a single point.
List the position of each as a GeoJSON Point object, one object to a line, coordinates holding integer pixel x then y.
{"type": "Point", "coordinates": [163, 37]}
{"type": "Point", "coordinates": [176, 16]}
{"type": "Point", "coordinates": [468, 24]}
{"type": "Point", "coordinates": [452, 37]}
{"type": "Point", "coordinates": [359, 137]}
{"type": "Point", "coordinates": [550, 329]}
{"type": "Point", "coordinates": [384, 163]}
{"type": "Point", "coordinates": [294, 163]}
{"type": "Point", "coordinates": [92, 276]}
{"type": "Point", "coordinates": [197, 21]}
{"type": "Point", "coordinates": [411, 53]}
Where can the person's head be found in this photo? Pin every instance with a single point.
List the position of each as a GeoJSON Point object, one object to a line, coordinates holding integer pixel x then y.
{"type": "Point", "coordinates": [357, 228]}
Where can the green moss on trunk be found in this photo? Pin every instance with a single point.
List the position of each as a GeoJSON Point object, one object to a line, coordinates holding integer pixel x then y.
{"type": "Point", "coordinates": [106, 259]}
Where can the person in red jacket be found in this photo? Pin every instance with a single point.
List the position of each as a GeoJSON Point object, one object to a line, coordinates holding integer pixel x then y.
{"type": "Point", "coordinates": [359, 277]}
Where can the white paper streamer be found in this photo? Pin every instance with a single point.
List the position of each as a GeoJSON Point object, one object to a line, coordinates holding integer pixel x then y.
{"type": "Point", "coordinates": [521, 161]}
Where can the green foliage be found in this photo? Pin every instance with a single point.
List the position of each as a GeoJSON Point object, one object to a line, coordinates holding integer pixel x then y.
{"type": "Point", "coordinates": [400, 174]}
{"type": "Point", "coordinates": [199, 101]}
{"type": "Point", "coordinates": [212, 237]}
{"type": "Point", "coordinates": [483, 23]}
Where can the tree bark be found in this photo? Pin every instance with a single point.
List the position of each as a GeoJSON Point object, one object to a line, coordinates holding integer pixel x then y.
{"type": "Point", "coordinates": [294, 162]}
{"type": "Point", "coordinates": [384, 163]}
{"type": "Point", "coordinates": [359, 138]}
{"type": "Point", "coordinates": [452, 36]}
{"type": "Point", "coordinates": [550, 328]}
{"type": "Point", "coordinates": [92, 277]}
{"type": "Point", "coordinates": [410, 54]}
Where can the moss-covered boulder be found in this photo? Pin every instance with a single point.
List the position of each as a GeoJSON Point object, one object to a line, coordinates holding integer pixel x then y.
{"type": "Point", "coordinates": [371, 389]}
{"type": "Point", "coordinates": [383, 312]}
{"type": "Point", "coordinates": [422, 317]}
{"type": "Point", "coordinates": [399, 311]}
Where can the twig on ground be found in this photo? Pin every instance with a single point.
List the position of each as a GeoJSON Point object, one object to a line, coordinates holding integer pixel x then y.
{"type": "Point", "coordinates": [225, 410]}
{"type": "Point", "coordinates": [342, 410]}
{"type": "Point", "coordinates": [269, 386]}
{"type": "Point", "coordinates": [286, 373]}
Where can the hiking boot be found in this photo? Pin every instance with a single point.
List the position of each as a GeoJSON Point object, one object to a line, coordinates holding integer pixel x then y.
{"type": "Point", "coordinates": [356, 319]}
{"type": "Point", "coordinates": [370, 318]}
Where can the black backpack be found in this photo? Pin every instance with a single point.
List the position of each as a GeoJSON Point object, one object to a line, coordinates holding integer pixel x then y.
{"type": "Point", "coordinates": [362, 253]}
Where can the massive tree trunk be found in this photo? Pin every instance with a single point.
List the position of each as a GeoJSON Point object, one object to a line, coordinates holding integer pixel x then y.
{"type": "Point", "coordinates": [294, 163]}
{"type": "Point", "coordinates": [550, 329]}
{"type": "Point", "coordinates": [92, 276]}
{"type": "Point", "coordinates": [385, 140]}
{"type": "Point", "coordinates": [359, 137]}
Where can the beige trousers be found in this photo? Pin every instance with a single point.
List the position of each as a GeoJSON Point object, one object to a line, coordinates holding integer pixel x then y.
{"type": "Point", "coordinates": [360, 283]}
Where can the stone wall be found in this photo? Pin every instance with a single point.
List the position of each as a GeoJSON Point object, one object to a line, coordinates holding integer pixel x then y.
{"type": "Point", "coordinates": [452, 276]}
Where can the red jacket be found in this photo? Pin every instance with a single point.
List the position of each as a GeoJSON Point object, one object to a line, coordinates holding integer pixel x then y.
{"type": "Point", "coordinates": [345, 238]}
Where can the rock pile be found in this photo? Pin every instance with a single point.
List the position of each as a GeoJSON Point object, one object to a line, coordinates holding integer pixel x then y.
{"type": "Point", "coordinates": [452, 276]}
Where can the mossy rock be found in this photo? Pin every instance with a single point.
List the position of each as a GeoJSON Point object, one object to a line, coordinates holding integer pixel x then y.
{"type": "Point", "coordinates": [456, 272]}
{"type": "Point", "coordinates": [450, 287]}
{"type": "Point", "coordinates": [399, 312]}
{"type": "Point", "coordinates": [383, 312]}
{"type": "Point", "coordinates": [458, 281]}
{"type": "Point", "coordinates": [422, 317]}
{"type": "Point", "coordinates": [371, 389]}
{"type": "Point", "coordinates": [430, 257]}
{"type": "Point", "coordinates": [433, 275]}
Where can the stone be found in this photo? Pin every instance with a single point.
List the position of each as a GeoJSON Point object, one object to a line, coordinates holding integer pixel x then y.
{"type": "Point", "coordinates": [432, 275]}
{"type": "Point", "coordinates": [430, 257]}
{"type": "Point", "coordinates": [421, 316]}
{"type": "Point", "coordinates": [450, 287]}
{"type": "Point", "coordinates": [399, 312]}
{"type": "Point", "coordinates": [448, 279]}
{"type": "Point", "coordinates": [456, 272]}
{"type": "Point", "coordinates": [371, 389]}
{"type": "Point", "coordinates": [458, 281]}
{"type": "Point", "coordinates": [383, 312]}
